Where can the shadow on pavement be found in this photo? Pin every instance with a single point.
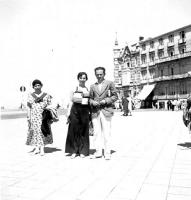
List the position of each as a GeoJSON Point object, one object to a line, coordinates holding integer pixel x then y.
{"type": "Point", "coordinates": [186, 144]}
{"type": "Point", "coordinates": [51, 149]}
{"type": "Point", "coordinates": [92, 151]}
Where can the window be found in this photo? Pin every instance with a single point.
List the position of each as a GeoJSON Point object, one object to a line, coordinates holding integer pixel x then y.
{"type": "Point", "coordinates": [171, 52]}
{"type": "Point", "coordinates": [172, 71]}
{"type": "Point", "coordinates": [161, 53]}
{"type": "Point", "coordinates": [152, 44]}
{"type": "Point", "coordinates": [161, 92]}
{"type": "Point", "coordinates": [161, 72]}
{"type": "Point", "coordinates": [143, 47]}
{"type": "Point", "coordinates": [183, 88]}
{"type": "Point", "coordinates": [136, 60]}
{"type": "Point", "coordinates": [161, 41]}
{"type": "Point", "coordinates": [182, 49]}
{"type": "Point", "coordinates": [152, 73]}
{"type": "Point", "coordinates": [143, 58]}
{"type": "Point", "coordinates": [144, 75]}
{"type": "Point", "coordinates": [171, 38]}
{"type": "Point", "coordinates": [152, 56]}
{"type": "Point", "coordinates": [172, 90]}
{"type": "Point", "coordinates": [182, 34]}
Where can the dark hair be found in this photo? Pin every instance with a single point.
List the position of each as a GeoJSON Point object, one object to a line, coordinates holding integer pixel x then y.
{"type": "Point", "coordinates": [80, 74]}
{"type": "Point", "coordinates": [36, 81]}
{"type": "Point", "coordinates": [100, 68]}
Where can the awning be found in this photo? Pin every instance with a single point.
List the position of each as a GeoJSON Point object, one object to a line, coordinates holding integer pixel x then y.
{"type": "Point", "coordinates": [147, 89]}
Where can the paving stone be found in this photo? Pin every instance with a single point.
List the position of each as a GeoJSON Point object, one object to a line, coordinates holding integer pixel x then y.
{"type": "Point", "coordinates": [146, 160]}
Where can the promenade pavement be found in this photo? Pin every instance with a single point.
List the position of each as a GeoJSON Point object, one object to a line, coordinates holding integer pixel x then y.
{"type": "Point", "coordinates": [151, 160]}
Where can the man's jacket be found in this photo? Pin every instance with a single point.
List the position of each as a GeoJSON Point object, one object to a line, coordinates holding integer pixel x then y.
{"type": "Point", "coordinates": [108, 93]}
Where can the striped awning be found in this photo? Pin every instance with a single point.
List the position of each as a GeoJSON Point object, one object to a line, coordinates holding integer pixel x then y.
{"type": "Point", "coordinates": [147, 89]}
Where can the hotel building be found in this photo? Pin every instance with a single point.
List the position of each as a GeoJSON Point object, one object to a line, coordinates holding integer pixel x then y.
{"type": "Point", "coordinates": [160, 67]}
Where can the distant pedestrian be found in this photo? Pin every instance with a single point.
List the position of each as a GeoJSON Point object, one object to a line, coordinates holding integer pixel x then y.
{"type": "Point", "coordinates": [169, 104]}
{"type": "Point", "coordinates": [36, 104]}
{"type": "Point", "coordinates": [173, 105]}
{"type": "Point", "coordinates": [125, 103]}
{"type": "Point", "coordinates": [130, 105]}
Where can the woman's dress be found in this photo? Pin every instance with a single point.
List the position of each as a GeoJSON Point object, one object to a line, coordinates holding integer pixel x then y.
{"type": "Point", "coordinates": [37, 105]}
{"type": "Point", "coordinates": [77, 140]}
{"type": "Point", "coordinates": [125, 104]}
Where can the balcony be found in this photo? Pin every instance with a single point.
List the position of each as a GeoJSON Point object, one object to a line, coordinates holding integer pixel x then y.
{"type": "Point", "coordinates": [170, 77]}
{"type": "Point", "coordinates": [144, 81]}
{"type": "Point", "coordinates": [175, 57]}
{"type": "Point", "coordinates": [151, 49]}
{"type": "Point", "coordinates": [151, 63]}
{"type": "Point", "coordinates": [143, 65]}
{"type": "Point", "coordinates": [161, 97]}
{"type": "Point", "coordinates": [183, 96]}
{"type": "Point", "coordinates": [170, 44]}
{"type": "Point", "coordinates": [181, 41]}
{"type": "Point", "coordinates": [161, 46]}
{"type": "Point", "coordinates": [143, 51]}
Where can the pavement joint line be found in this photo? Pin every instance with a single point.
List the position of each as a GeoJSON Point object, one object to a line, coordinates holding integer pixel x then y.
{"type": "Point", "coordinates": [173, 164]}
{"type": "Point", "coordinates": [132, 162]}
{"type": "Point", "coordinates": [153, 163]}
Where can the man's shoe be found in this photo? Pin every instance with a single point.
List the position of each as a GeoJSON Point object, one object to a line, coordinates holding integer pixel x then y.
{"type": "Point", "coordinates": [95, 155]}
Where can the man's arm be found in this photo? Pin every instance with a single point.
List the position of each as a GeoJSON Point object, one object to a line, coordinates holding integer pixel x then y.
{"type": "Point", "coordinates": [113, 94]}
{"type": "Point", "coordinates": [92, 101]}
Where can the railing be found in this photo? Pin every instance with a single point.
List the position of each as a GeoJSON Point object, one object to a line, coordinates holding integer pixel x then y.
{"type": "Point", "coordinates": [151, 49]}
{"type": "Point", "coordinates": [170, 44]}
{"type": "Point", "coordinates": [143, 51]}
{"type": "Point", "coordinates": [161, 96]}
{"type": "Point", "coordinates": [175, 57]}
{"type": "Point", "coordinates": [161, 46]}
{"type": "Point", "coordinates": [171, 96]}
{"type": "Point", "coordinates": [183, 96]}
{"type": "Point", "coordinates": [151, 63]}
{"type": "Point", "coordinates": [165, 78]}
{"type": "Point", "coordinates": [181, 40]}
{"type": "Point", "coordinates": [144, 65]}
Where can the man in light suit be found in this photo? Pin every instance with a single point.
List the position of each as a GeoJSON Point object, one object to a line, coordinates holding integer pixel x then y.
{"type": "Point", "coordinates": [102, 96]}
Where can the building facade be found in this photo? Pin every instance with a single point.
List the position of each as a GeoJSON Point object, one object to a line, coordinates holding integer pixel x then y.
{"type": "Point", "coordinates": [161, 67]}
{"type": "Point", "coordinates": [122, 69]}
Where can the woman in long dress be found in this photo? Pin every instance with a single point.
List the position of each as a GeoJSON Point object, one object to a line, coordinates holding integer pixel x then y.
{"type": "Point", "coordinates": [125, 103]}
{"type": "Point", "coordinates": [36, 103]}
{"type": "Point", "coordinates": [77, 141]}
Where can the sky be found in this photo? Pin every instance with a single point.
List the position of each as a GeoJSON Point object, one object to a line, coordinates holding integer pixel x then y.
{"type": "Point", "coordinates": [53, 40]}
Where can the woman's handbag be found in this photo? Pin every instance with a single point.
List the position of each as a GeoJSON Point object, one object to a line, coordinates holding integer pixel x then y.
{"type": "Point", "coordinates": [53, 114]}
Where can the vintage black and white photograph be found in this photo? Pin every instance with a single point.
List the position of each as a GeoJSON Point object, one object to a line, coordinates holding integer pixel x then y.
{"type": "Point", "coordinates": [95, 100]}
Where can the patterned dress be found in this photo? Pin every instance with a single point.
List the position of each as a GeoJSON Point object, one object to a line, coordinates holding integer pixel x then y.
{"type": "Point", "coordinates": [35, 136]}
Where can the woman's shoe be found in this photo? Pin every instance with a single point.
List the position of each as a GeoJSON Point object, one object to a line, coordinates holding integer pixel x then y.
{"type": "Point", "coordinates": [82, 156]}
{"type": "Point", "coordinates": [73, 156]}
{"type": "Point", "coordinates": [42, 151]}
{"type": "Point", "coordinates": [36, 151]}
{"type": "Point", "coordinates": [31, 151]}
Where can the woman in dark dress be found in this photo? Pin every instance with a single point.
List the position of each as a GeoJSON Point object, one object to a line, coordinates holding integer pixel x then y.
{"type": "Point", "coordinates": [125, 103]}
{"type": "Point", "coordinates": [77, 141]}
